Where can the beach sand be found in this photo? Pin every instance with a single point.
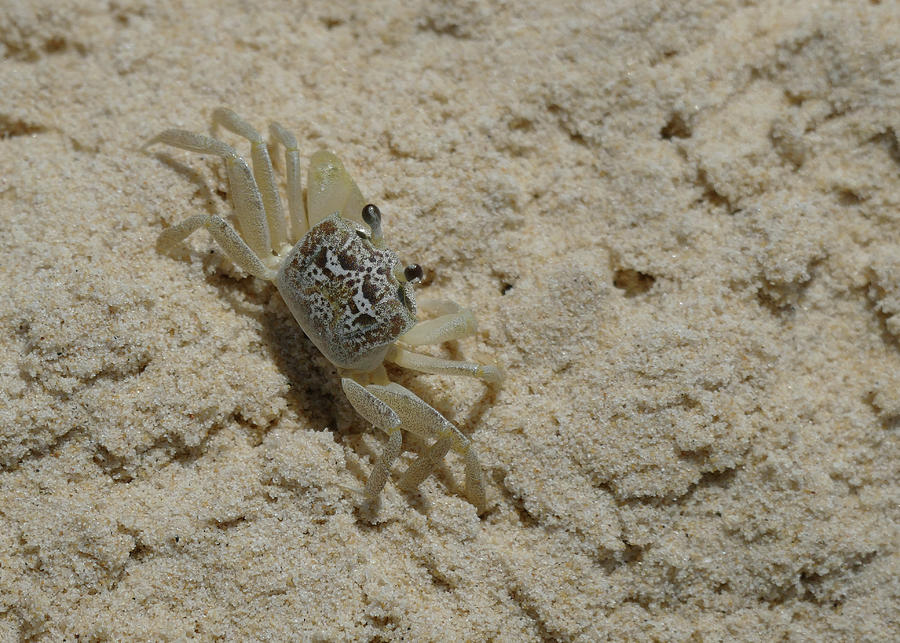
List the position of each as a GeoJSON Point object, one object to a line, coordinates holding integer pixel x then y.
{"type": "Point", "coordinates": [677, 223]}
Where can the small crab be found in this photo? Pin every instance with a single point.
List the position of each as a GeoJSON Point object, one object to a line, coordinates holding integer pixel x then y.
{"type": "Point", "coordinates": [345, 288]}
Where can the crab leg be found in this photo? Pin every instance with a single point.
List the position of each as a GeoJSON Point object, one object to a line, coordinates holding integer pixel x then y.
{"type": "Point", "coordinates": [296, 206]}
{"type": "Point", "coordinates": [423, 420]}
{"type": "Point", "coordinates": [383, 416]}
{"type": "Point", "coordinates": [442, 329]}
{"type": "Point", "coordinates": [436, 307]}
{"type": "Point", "coordinates": [248, 204]}
{"type": "Point", "coordinates": [438, 366]}
{"type": "Point", "coordinates": [235, 247]}
{"type": "Point", "coordinates": [262, 172]}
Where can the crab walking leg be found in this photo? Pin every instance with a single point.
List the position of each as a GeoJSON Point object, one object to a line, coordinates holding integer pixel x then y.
{"type": "Point", "coordinates": [474, 478]}
{"type": "Point", "coordinates": [248, 205]}
{"type": "Point", "coordinates": [441, 329]}
{"type": "Point", "coordinates": [262, 172]}
{"type": "Point", "coordinates": [226, 236]}
{"type": "Point", "coordinates": [292, 171]}
{"type": "Point", "coordinates": [425, 464]}
{"type": "Point", "coordinates": [438, 366]}
{"type": "Point", "coordinates": [436, 307]}
{"type": "Point", "coordinates": [382, 470]}
{"type": "Point", "coordinates": [421, 419]}
{"type": "Point", "coordinates": [381, 415]}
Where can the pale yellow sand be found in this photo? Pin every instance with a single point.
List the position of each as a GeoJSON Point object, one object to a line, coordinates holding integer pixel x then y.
{"type": "Point", "coordinates": [678, 224]}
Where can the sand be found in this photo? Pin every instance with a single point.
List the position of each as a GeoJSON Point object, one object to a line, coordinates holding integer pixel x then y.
{"type": "Point", "coordinates": [678, 224]}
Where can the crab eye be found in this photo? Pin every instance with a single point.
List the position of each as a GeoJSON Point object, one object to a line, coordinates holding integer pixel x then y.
{"type": "Point", "coordinates": [404, 298]}
{"type": "Point", "coordinates": [413, 272]}
{"type": "Point", "coordinates": [362, 234]}
{"type": "Point", "coordinates": [371, 215]}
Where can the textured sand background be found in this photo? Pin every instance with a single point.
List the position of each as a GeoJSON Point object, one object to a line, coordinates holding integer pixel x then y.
{"type": "Point", "coordinates": [678, 224]}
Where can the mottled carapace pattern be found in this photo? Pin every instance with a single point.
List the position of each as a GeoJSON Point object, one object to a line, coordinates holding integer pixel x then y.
{"type": "Point", "coordinates": [342, 290]}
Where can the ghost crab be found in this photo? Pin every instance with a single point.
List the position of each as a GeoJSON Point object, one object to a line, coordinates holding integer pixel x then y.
{"type": "Point", "coordinates": [344, 287]}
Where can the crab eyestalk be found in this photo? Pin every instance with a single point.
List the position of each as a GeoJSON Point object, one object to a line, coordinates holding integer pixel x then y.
{"type": "Point", "coordinates": [371, 215]}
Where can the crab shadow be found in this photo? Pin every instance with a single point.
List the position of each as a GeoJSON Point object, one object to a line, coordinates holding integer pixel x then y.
{"type": "Point", "coordinates": [315, 393]}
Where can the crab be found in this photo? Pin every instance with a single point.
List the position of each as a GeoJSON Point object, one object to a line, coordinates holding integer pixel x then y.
{"type": "Point", "coordinates": [346, 289]}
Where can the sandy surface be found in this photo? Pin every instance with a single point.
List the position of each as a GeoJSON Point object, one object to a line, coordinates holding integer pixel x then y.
{"type": "Point", "coordinates": [680, 229]}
